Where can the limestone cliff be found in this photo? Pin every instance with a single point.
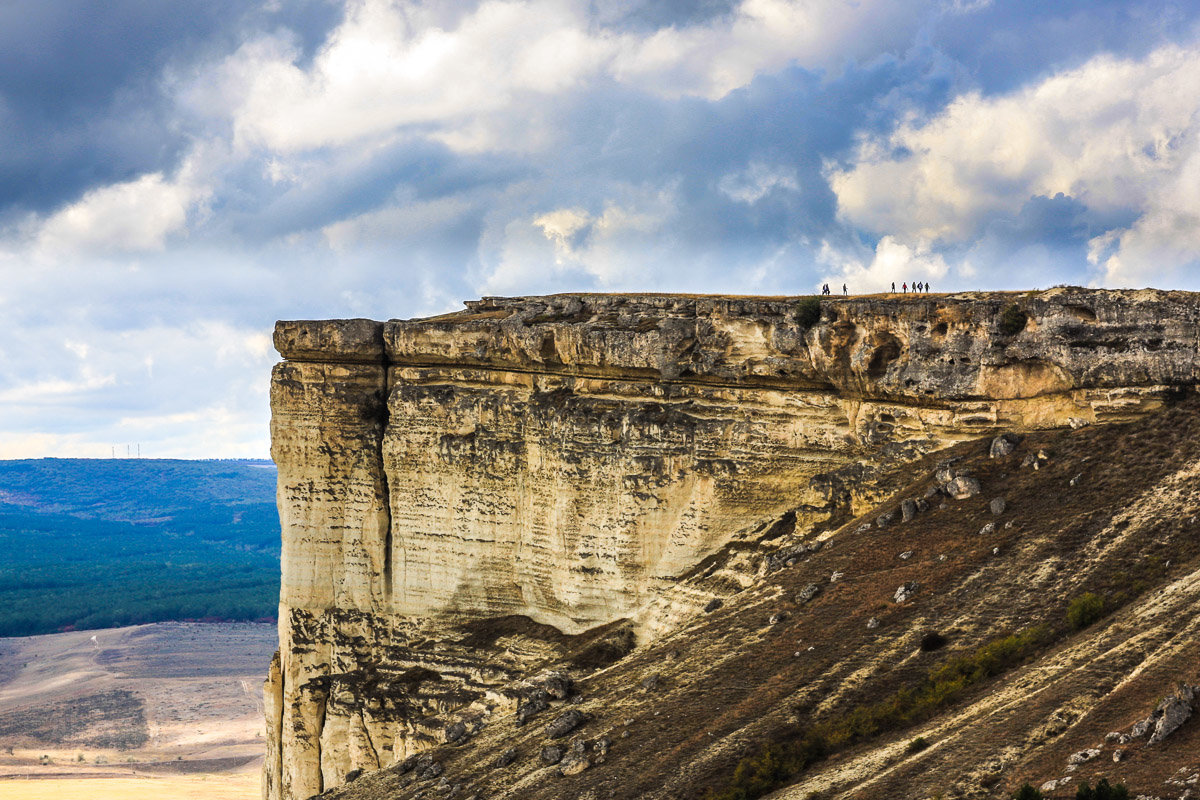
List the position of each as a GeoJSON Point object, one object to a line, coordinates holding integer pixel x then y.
{"type": "Point", "coordinates": [470, 498]}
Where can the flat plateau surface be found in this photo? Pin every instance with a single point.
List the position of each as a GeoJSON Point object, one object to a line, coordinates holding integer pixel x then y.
{"type": "Point", "coordinates": [165, 710]}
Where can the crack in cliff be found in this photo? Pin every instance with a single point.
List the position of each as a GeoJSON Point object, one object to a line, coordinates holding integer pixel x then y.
{"type": "Point", "coordinates": [366, 729]}
{"type": "Point", "coordinates": [385, 488]}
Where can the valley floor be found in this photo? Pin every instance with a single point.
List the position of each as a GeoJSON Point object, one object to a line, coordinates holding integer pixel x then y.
{"type": "Point", "coordinates": [166, 710]}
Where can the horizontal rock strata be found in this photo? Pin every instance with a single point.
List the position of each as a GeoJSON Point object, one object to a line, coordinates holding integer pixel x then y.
{"type": "Point", "coordinates": [466, 497]}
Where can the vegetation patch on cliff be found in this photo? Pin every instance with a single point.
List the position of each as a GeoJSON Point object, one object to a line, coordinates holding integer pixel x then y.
{"type": "Point", "coordinates": [777, 763]}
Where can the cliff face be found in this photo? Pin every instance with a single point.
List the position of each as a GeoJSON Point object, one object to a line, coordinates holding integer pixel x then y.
{"type": "Point", "coordinates": [469, 498]}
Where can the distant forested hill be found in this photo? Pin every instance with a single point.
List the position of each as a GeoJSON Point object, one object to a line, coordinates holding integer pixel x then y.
{"type": "Point", "coordinates": [95, 543]}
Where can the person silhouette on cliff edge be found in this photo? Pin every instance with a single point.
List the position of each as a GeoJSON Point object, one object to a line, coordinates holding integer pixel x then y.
{"type": "Point", "coordinates": [893, 287]}
{"type": "Point", "coordinates": [845, 291]}
{"type": "Point", "coordinates": [905, 287]}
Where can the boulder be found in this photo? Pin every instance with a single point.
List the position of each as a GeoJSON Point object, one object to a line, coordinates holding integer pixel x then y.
{"type": "Point", "coordinates": [908, 510]}
{"type": "Point", "coordinates": [565, 722]}
{"type": "Point", "coordinates": [505, 758]}
{"type": "Point", "coordinates": [1173, 712]}
{"type": "Point", "coordinates": [556, 684]}
{"type": "Point", "coordinates": [417, 761]}
{"type": "Point", "coordinates": [946, 471]}
{"type": "Point", "coordinates": [998, 505]}
{"type": "Point", "coordinates": [1003, 445]}
{"type": "Point", "coordinates": [1083, 756]}
{"type": "Point", "coordinates": [963, 487]}
{"type": "Point", "coordinates": [456, 732]}
{"type": "Point", "coordinates": [808, 593]}
{"type": "Point", "coordinates": [883, 520]}
{"type": "Point", "coordinates": [987, 529]}
{"type": "Point", "coordinates": [906, 591]}
{"type": "Point", "coordinates": [713, 605]}
{"type": "Point", "coordinates": [872, 623]}
{"type": "Point", "coordinates": [551, 754]}
{"type": "Point", "coordinates": [574, 765]}
{"type": "Point", "coordinates": [534, 702]}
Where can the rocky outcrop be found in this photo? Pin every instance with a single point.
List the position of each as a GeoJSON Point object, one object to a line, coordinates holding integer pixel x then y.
{"type": "Point", "coordinates": [468, 498]}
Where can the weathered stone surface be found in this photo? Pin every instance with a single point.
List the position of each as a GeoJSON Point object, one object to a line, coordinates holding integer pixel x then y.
{"type": "Point", "coordinates": [565, 460]}
{"type": "Point", "coordinates": [962, 487]}
{"type": "Point", "coordinates": [565, 722]}
{"type": "Point", "coordinates": [1173, 712]}
{"type": "Point", "coordinates": [808, 593]}
{"type": "Point", "coordinates": [1003, 446]}
{"type": "Point", "coordinates": [1083, 756]}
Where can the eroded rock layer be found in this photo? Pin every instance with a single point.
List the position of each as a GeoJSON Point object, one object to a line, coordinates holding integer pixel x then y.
{"type": "Point", "coordinates": [469, 498]}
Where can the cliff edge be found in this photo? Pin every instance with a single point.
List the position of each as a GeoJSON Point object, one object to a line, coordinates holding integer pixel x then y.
{"type": "Point", "coordinates": [553, 483]}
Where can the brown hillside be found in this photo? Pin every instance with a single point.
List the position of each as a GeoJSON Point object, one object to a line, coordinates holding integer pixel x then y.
{"type": "Point", "coordinates": [1110, 510]}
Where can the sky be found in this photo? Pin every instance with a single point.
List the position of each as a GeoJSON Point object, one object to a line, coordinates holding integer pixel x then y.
{"type": "Point", "coordinates": [174, 177]}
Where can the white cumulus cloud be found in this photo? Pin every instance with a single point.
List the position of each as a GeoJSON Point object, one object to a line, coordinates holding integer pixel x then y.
{"type": "Point", "coordinates": [1122, 136]}
{"type": "Point", "coordinates": [464, 78]}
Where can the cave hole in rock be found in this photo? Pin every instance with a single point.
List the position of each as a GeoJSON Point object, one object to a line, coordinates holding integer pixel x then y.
{"type": "Point", "coordinates": [887, 351]}
{"type": "Point", "coordinates": [940, 329]}
{"type": "Point", "coordinates": [1082, 313]}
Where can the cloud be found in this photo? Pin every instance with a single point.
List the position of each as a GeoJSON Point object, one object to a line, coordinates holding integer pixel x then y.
{"type": "Point", "coordinates": [172, 180]}
{"type": "Point", "coordinates": [125, 217]}
{"type": "Point", "coordinates": [390, 66]}
{"type": "Point", "coordinates": [892, 262]}
{"type": "Point", "coordinates": [758, 180]}
{"type": "Point", "coordinates": [1120, 136]}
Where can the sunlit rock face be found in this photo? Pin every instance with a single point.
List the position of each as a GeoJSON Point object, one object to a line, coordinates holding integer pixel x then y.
{"type": "Point", "coordinates": [569, 461]}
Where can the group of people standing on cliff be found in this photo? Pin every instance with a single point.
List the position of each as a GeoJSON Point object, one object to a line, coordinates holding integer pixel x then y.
{"type": "Point", "coordinates": [917, 286]}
